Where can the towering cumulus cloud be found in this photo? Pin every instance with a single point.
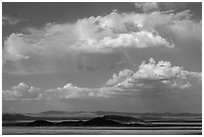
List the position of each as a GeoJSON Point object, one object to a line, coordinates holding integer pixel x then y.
{"type": "Point", "coordinates": [57, 47]}
{"type": "Point", "coordinates": [151, 75]}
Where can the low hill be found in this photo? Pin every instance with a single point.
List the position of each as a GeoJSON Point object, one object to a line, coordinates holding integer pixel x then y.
{"type": "Point", "coordinates": [100, 121]}
{"type": "Point", "coordinates": [40, 123]}
{"type": "Point", "coordinates": [70, 123]}
{"type": "Point", "coordinates": [14, 117]}
{"type": "Point", "coordinates": [124, 119]}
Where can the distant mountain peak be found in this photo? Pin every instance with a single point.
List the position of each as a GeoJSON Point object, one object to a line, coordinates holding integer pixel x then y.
{"type": "Point", "coordinates": [54, 112]}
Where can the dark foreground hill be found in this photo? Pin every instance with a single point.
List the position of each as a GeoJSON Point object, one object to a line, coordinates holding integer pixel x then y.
{"type": "Point", "coordinates": [93, 122]}
{"type": "Point", "coordinates": [83, 115]}
{"type": "Point", "coordinates": [40, 123]}
{"type": "Point", "coordinates": [70, 123]}
{"type": "Point", "coordinates": [100, 121]}
{"type": "Point", "coordinates": [109, 120]}
{"type": "Point", "coordinates": [124, 119]}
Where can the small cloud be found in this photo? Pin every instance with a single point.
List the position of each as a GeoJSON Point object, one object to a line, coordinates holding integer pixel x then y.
{"type": "Point", "coordinates": [138, 4]}
{"type": "Point", "coordinates": [21, 91]}
{"type": "Point", "coordinates": [11, 20]}
{"type": "Point", "coordinates": [178, 6]}
{"type": "Point", "coordinates": [71, 91]}
{"type": "Point", "coordinates": [25, 92]}
{"type": "Point", "coordinates": [147, 7]}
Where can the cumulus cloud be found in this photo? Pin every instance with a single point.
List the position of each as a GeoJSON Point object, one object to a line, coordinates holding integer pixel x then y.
{"type": "Point", "coordinates": [71, 91]}
{"type": "Point", "coordinates": [151, 77]}
{"type": "Point", "coordinates": [124, 74]}
{"type": "Point", "coordinates": [160, 76]}
{"type": "Point", "coordinates": [68, 43]}
{"type": "Point", "coordinates": [21, 91]}
{"type": "Point", "coordinates": [59, 47]}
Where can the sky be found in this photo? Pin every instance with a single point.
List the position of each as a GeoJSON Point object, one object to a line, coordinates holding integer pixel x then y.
{"type": "Point", "coordinates": [127, 57]}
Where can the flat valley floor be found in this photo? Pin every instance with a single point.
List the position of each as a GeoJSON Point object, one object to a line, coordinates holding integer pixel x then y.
{"type": "Point", "coordinates": [101, 131]}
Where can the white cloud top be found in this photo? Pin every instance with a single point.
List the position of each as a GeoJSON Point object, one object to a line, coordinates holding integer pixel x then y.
{"type": "Point", "coordinates": [21, 91]}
